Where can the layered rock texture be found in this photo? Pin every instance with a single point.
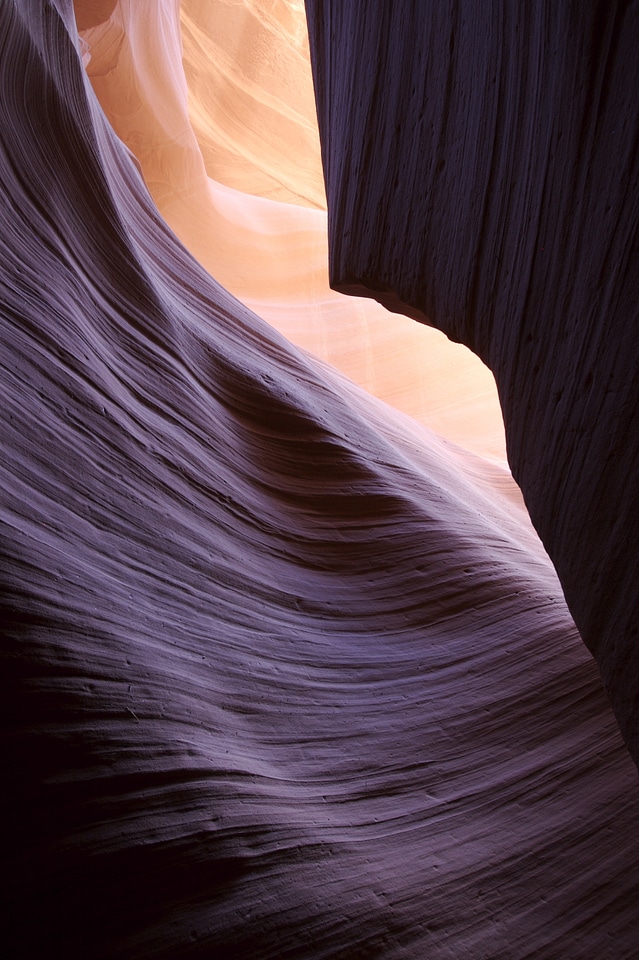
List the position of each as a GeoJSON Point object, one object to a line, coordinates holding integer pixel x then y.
{"type": "Point", "coordinates": [284, 672]}
{"type": "Point", "coordinates": [482, 170]}
{"type": "Point", "coordinates": [192, 113]}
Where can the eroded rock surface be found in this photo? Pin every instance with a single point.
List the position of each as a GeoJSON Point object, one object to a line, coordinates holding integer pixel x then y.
{"type": "Point", "coordinates": [190, 105]}
{"type": "Point", "coordinates": [283, 673]}
{"type": "Point", "coordinates": [482, 174]}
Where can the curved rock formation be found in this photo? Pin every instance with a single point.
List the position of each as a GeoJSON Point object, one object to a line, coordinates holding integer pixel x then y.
{"type": "Point", "coordinates": [283, 672]}
{"type": "Point", "coordinates": [272, 255]}
{"type": "Point", "coordinates": [482, 167]}
{"type": "Point", "coordinates": [251, 99]}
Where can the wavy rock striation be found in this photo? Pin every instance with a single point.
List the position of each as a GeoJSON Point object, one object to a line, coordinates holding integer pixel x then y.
{"type": "Point", "coordinates": [283, 673]}
{"type": "Point", "coordinates": [482, 167]}
{"type": "Point", "coordinates": [185, 130]}
{"type": "Point", "coordinates": [251, 97]}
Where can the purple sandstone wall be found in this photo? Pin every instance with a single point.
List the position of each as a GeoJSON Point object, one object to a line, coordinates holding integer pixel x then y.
{"type": "Point", "coordinates": [282, 675]}
{"type": "Point", "coordinates": [482, 170]}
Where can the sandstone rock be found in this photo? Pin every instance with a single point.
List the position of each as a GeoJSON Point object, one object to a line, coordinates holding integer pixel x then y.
{"type": "Point", "coordinates": [482, 175]}
{"type": "Point", "coordinates": [282, 672]}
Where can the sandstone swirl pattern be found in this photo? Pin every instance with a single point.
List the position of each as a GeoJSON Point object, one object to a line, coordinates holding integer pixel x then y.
{"type": "Point", "coordinates": [283, 673]}
{"type": "Point", "coordinates": [179, 84]}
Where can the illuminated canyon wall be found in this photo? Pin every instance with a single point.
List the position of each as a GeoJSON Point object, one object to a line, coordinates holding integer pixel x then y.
{"type": "Point", "coordinates": [249, 78]}
{"type": "Point", "coordinates": [284, 672]}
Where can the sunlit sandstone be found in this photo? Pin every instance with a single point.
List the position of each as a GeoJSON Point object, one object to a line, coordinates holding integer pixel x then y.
{"type": "Point", "coordinates": [223, 194]}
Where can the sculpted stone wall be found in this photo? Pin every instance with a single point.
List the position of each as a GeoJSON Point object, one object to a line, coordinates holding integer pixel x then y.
{"type": "Point", "coordinates": [482, 171]}
{"type": "Point", "coordinates": [283, 673]}
{"type": "Point", "coordinates": [215, 100]}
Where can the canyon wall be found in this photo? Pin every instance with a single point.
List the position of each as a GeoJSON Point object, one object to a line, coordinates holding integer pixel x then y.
{"type": "Point", "coordinates": [191, 89]}
{"type": "Point", "coordinates": [482, 172]}
{"type": "Point", "coordinates": [283, 672]}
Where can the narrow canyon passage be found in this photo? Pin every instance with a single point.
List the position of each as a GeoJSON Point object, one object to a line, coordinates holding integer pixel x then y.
{"type": "Point", "coordinates": [216, 102]}
{"type": "Point", "coordinates": [285, 671]}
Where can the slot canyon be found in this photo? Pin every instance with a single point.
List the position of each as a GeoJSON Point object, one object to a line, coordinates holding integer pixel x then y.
{"type": "Point", "coordinates": [320, 450]}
